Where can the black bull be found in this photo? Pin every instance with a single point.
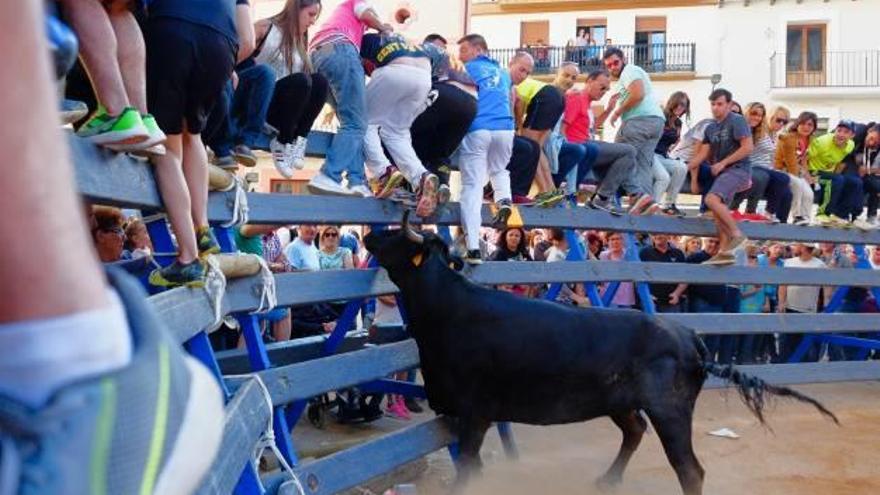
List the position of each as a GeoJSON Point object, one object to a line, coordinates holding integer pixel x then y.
{"type": "Point", "coordinates": [488, 355]}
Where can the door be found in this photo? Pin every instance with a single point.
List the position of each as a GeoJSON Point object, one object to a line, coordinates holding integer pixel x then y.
{"type": "Point", "coordinates": [805, 60]}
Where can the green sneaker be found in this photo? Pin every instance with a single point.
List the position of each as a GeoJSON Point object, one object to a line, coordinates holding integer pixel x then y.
{"type": "Point", "coordinates": [208, 244]}
{"type": "Point", "coordinates": [178, 275]}
{"type": "Point", "coordinates": [152, 145]}
{"type": "Point", "coordinates": [125, 129]}
{"type": "Point", "coordinates": [549, 199]}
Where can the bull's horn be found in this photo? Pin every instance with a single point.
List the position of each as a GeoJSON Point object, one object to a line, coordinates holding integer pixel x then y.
{"type": "Point", "coordinates": [410, 233]}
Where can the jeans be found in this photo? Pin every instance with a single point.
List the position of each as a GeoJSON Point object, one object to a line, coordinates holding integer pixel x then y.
{"type": "Point", "coordinates": [643, 134]}
{"type": "Point", "coordinates": [669, 176]}
{"type": "Point", "coordinates": [789, 343]}
{"type": "Point", "coordinates": [871, 185]}
{"type": "Point", "coordinates": [340, 64]}
{"type": "Point", "coordinates": [841, 195]}
{"type": "Point", "coordinates": [613, 165]}
{"type": "Point", "coordinates": [240, 113]}
{"type": "Point", "coordinates": [772, 185]}
{"type": "Point", "coordinates": [578, 157]}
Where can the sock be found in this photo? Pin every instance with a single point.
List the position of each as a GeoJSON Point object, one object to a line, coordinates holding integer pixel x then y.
{"type": "Point", "coordinates": [37, 358]}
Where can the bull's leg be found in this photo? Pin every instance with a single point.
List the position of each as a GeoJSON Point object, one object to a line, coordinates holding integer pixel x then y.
{"type": "Point", "coordinates": [633, 426]}
{"type": "Point", "coordinates": [673, 425]}
{"type": "Point", "coordinates": [471, 432]}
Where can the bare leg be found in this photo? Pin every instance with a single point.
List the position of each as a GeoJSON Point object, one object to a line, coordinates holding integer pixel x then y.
{"type": "Point", "coordinates": [633, 427]}
{"type": "Point", "coordinates": [724, 220]}
{"type": "Point", "coordinates": [131, 54]}
{"type": "Point", "coordinates": [281, 329]}
{"type": "Point", "coordinates": [175, 195]}
{"type": "Point", "coordinates": [97, 47]}
{"type": "Point", "coordinates": [50, 266]}
{"type": "Point", "coordinates": [195, 168]}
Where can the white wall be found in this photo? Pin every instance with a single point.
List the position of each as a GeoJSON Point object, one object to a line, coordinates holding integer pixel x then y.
{"type": "Point", "coordinates": [735, 41]}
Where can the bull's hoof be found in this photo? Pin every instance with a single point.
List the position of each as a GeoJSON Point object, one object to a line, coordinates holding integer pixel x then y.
{"type": "Point", "coordinates": [608, 483]}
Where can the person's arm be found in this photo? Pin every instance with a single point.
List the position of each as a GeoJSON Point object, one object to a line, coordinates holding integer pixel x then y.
{"type": "Point", "coordinates": [244, 26]}
{"type": "Point", "coordinates": [368, 15]}
{"type": "Point", "coordinates": [783, 296]}
{"type": "Point", "coordinates": [746, 146]}
{"type": "Point", "coordinates": [700, 155]}
{"type": "Point", "coordinates": [257, 230]}
{"type": "Point", "coordinates": [518, 110]}
{"type": "Point", "coordinates": [679, 291]}
{"type": "Point", "coordinates": [752, 292]}
{"type": "Point", "coordinates": [636, 90]}
{"type": "Point", "coordinates": [347, 262]}
{"type": "Point", "coordinates": [261, 29]}
{"type": "Point", "coordinates": [388, 300]}
{"type": "Point", "coordinates": [612, 104]}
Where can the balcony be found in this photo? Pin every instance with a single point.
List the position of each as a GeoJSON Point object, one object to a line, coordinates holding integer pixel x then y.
{"type": "Point", "coordinates": [852, 71]}
{"type": "Point", "coordinates": [655, 58]}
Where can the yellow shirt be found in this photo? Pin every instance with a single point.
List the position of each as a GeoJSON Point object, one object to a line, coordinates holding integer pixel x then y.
{"type": "Point", "coordinates": [527, 90]}
{"type": "Point", "coordinates": [824, 154]}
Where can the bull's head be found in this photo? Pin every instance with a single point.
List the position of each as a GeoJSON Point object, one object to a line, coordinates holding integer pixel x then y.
{"type": "Point", "coordinates": [407, 251]}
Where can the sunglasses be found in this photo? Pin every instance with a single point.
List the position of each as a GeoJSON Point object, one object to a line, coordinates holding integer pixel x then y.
{"type": "Point", "coordinates": [330, 234]}
{"type": "Point", "coordinates": [782, 121]}
{"type": "Point", "coordinates": [117, 231]}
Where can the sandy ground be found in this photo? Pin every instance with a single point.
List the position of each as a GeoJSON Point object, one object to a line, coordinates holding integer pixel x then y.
{"type": "Point", "coordinates": [804, 454]}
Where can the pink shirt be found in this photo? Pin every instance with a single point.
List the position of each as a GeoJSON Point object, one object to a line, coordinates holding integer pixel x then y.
{"type": "Point", "coordinates": [344, 22]}
{"type": "Point", "coordinates": [577, 116]}
{"type": "Point", "coordinates": [625, 295]}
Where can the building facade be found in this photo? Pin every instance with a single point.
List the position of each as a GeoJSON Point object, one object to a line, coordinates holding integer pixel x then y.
{"type": "Point", "coordinates": [817, 55]}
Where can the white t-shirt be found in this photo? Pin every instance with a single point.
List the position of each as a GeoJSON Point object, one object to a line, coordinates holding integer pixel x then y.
{"type": "Point", "coordinates": [800, 298]}
{"type": "Point", "coordinates": [302, 256]}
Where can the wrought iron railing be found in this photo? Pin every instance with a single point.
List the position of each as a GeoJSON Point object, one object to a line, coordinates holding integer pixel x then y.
{"type": "Point", "coordinates": [833, 69]}
{"type": "Point", "coordinates": [654, 57]}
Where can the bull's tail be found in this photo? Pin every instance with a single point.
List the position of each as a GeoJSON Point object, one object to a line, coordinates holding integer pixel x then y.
{"type": "Point", "coordinates": [754, 390]}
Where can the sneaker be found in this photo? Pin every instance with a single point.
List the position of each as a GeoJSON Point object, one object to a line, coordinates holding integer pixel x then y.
{"type": "Point", "coordinates": [738, 216]}
{"type": "Point", "coordinates": [149, 146]}
{"type": "Point", "coordinates": [736, 244]}
{"type": "Point", "coordinates": [72, 111]}
{"type": "Point", "coordinates": [244, 156]}
{"type": "Point", "coordinates": [801, 221]}
{"type": "Point", "coordinates": [361, 190]}
{"type": "Point", "coordinates": [154, 426]}
{"type": "Point", "coordinates": [413, 405]}
{"type": "Point", "coordinates": [641, 205]}
{"type": "Point", "coordinates": [864, 224]}
{"type": "Point", "coordinates": [673, 211]}
{"type": "Point", "coordinates": [549, 199]}
{"type": "Point", "coordinates": [521, 200]}
{"type": "Point", "coordinates": [397, 409]}
{"type": "Point", "coordinates": [444, 194]}
{"type": "Point", "coordinates": [721, 259]}
{"type": "Point", "coordinates": [208, 244]}
{"type": "Point", "coordinates": [298, 153]}
{"type": "Point", "coordinates": [387, 183]}
{"type": "Point", "coordinates": [505, 209]}
{"type": "Point", "coordinates": [179, 275]}
{"type": "Point", "coordinates": [473, 257]}
{"type": "Point", "coordinates": [226, 163]}
{"type": "Point", "coordinates": [427, 195]}
{"type": "Point", "coordinates": [281, 158]}
{"type": "Point", "coordinates": [323, 185]}
{"type": "Point", "coordinates": [831, 221]}
{"type": "Point", "coordinates": [606, 205]}
{"type": "Point", "coordinates": [127, 128]}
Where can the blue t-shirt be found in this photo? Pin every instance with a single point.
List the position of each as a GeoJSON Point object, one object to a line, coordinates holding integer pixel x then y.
{"type": "Point", "coordinates": [648, 107]}
{"type": "Point", "coordinates": [493, 95]}
{"type": "Point", "coordinates": [302, 256]}
{"type": "Point", "coordinates": [215, 14]}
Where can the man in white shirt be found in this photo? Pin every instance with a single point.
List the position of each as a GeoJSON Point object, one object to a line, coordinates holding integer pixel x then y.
{"type": "Point", "coordinates": [799, 299]}
{"type": "Point", "coordinates": [302, 252]}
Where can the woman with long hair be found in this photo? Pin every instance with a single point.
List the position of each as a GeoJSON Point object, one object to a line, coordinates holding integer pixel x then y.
{"type": "Point", "coordinates": [791, 157]}
{"type": "Point", "coordinates": [300, 94]}
{"type": "Point", "coordinates": [777, 120]}
{"type": "Point", "coordinates": [670, 173]}
{"type": "Point", "coordinates": [767, 183]}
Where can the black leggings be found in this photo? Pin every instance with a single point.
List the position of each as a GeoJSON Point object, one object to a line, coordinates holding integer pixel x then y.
{"type": "Point", "coordinates": [296, 103]}
{"type": "Point", "coordinates": [438, 131]}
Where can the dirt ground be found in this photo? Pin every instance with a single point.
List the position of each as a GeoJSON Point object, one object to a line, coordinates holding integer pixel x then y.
{"type": "Point", "coordinates": [803, 455]}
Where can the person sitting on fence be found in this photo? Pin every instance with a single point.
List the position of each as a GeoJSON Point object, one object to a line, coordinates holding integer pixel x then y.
{"type": "Point", "coordinates": [137, 239]}
{"type": "Point", "coordinates": [570, 162]}
{"type": "Point", "coordinates": [486, 149]}
{"type": "Point", "coordinates": [800, 299]}
{"type": "Point", "coordinates": [670, 173]}
{"type": "Point", "coordinates": [625, 297]}
{"type": "Point", "coordinates": [300, 93]}
{"type": "Point", "coordinates": [635, 104]}
{"type": "Point", "coordinates": [767, 183]}
{"type": "Point", "coordinates": [866, 157]}
{"type": "Point", "coordinates": [181, 91]}
{"type": "Point", "coordinates": [438, 131]}
{"type": "Point", "coordinates": [85, 360]}
{"type": "Point", "coordinates": [235, 126]}
{"type": "Point", "coordinates": [398, 91]}
{"type": "Point", "coordinates": [109, 234]}
{"type": "Point", "coordinates": [792, 157]}
{"type": "Point", "coordinates": [667, 298]}
{"type": "Point", "coordinates": [842, 198]}
{"type": "Point", "coordinates": [335, 51]}
{"type": "Point", "coordinates": [727, 145]}
{"type": "Point", "coordinates": [537, 110]}
{"type": "Point", "coordinates": [112, 51]}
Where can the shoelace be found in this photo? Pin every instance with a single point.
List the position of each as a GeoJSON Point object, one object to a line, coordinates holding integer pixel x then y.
{"type": "Point", "coordinates": [240, 209]}
{"type": "Point", "coordinates": [215, 288]}
{"type": "Point", "coordinates": [268, 297]}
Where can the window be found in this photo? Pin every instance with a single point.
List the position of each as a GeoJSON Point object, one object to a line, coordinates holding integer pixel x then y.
{"type": "Point", "coordinates": [591, 32]}
{"type": "Point", "coordinates": [534, 33]}
{"type": "Point", "coordinates": [805, 55]}
{"type": "Point", "coordinates": [287, 186]}
{"type": "Point", "coordinates": [650, 49]}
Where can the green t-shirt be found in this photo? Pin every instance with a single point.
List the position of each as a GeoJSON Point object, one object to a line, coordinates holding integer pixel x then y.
{"type": "Point", "coordinates": [249, 245]}
{"type": "Point", "coordinates": [825, 155]}
{"type": "Point", "coordinates": [648, 107]}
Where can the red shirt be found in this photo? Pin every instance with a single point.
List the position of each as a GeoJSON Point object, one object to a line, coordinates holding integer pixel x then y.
{"type": "Point", "coordinates": [577, 116]}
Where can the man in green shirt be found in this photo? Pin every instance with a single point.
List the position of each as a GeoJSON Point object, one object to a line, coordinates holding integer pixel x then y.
{"type": "Point", "coordinates": [842, 199]}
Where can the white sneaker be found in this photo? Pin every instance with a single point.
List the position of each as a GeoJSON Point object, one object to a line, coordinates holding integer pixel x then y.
{"type": "Point", "coordinates": [298, 153]}
{"type": "Point", "coordinates": [362, 191]}
{"type": "Point", "coordinates": [864, 225]}
{"type": "Point", "coordinates": [323, 185]}
{"type": "Point", "coordinates": [281, 158]}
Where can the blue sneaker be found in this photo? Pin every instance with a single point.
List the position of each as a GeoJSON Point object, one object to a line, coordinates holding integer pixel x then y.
{"type": "Point", "coordinates": [153, 427]}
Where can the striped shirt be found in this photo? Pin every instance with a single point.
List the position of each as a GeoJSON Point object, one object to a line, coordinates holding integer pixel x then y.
{"type": "Point", "coordinates": [763, 153]}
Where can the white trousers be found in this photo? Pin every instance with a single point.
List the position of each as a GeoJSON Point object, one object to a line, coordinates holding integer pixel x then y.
{"type": "Point", "coordinates": [669, 176]}
{"type": "Point", "coordinates": [483, 156]}
{"type": "Point", "coordinates": [396, 95]}
{"type": "Point", "coordinates": [801, 196]}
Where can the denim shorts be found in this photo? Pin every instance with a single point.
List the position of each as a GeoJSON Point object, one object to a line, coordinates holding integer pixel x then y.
{"type": "Point", "coordinates": [731, 181]}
